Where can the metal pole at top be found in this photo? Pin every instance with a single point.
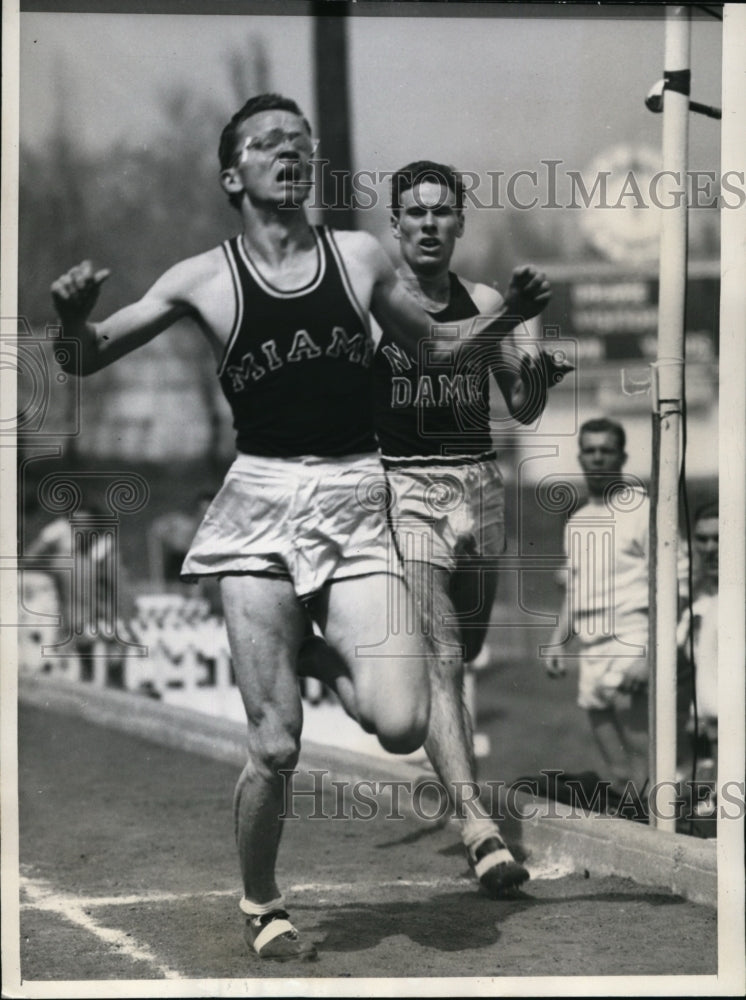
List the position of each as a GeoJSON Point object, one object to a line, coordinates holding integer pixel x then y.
{"type": "Point", "coordinates": [669, 402]}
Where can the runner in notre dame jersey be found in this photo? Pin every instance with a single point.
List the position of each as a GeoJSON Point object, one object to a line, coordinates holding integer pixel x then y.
{"type": "Point", "coordinates": [432, 417]}
{"type": "Point", "coordinates": [289, 523]}
{"type": "Point", "coordinates": [433, 421]}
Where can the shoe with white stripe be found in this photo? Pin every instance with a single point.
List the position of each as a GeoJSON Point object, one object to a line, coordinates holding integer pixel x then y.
{"type": "Point", "coordinates": [495, 867]}
{"type": "Point", "coordinates": [273, 936]}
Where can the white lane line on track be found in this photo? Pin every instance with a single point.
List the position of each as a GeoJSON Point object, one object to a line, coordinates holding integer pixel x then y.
{"type": "Point", "coordinates": [71, 908]}
{"type": "Point", "coordinates": [170, 897]}
{"type": "Point", "coordinates": [143, 898]}
{"type": "Point", "coordinates": [41, 896]}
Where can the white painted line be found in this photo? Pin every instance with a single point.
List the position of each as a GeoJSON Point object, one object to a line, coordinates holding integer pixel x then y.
{"type": "Point", "coordinates": [43, 897]}
{"type": "Point", "coordinates": [90, 902]}
{"type": "Point", "coordinates": [39, 894]}
{"type": "Point", "coordinates": [71, 908]}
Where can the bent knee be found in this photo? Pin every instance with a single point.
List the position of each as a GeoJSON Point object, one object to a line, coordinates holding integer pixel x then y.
{"type": "Point", "coordinates": [397, 710]}
{"type": "Point", "coordinates": [402, 741]}
{"type": "Point", "coordinates": [403, 734]}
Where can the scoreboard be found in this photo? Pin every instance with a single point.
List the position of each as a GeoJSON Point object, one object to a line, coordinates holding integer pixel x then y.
{"type": "Point", "coordinates": [612, 313]}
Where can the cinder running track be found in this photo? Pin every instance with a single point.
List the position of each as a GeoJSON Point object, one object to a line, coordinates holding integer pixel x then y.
{"type": "Point", "coordinates": [128, 872]}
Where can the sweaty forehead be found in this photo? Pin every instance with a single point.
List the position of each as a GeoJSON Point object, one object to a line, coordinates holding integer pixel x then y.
{"type": "Point", "coordinates": [263, 121]}
{"type": "Point", "coordinates": [428, 194]}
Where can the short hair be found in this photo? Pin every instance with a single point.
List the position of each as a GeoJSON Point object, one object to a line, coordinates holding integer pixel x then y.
{"type": "Point", "coordinates": [602, 425]}
{"type": "Point", "coordinates": [421, 171]}
{"type": "Point", "coordinates": [710, 508]}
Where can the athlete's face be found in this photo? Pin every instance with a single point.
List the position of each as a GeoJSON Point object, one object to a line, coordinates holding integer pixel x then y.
{"type": "Point", "coordinates": [427, 226]}
{"type": "Point", "coordinates": [601, 459]}
{"type": "Point", "coordinates": [706, 543]}
{"type": "Point", "coordinates": [272, 162]}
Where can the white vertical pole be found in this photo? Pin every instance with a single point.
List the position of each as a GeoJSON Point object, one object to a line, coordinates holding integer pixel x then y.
{"type": "Point", "coordinates": [732, 481]}
{"type": "Point", "coordinates": [670, 395]}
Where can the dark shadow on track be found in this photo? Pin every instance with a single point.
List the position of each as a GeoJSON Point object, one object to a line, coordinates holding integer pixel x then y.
{"type": "Point", "coordinates": [456, 921]}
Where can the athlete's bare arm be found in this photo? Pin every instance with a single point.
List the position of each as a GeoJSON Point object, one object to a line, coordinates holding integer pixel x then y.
{"type": "Point", "coordinates": [380, 289]}
{"type": "Point", "coordinates": [506, 367]}
{"type": "Point", "coordinates": [522, 370]}
{"type": "Point", "coordinates": [185, 290]}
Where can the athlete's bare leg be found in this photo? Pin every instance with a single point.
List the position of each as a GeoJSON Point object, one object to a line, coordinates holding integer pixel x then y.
{"type": "Point", "coordinates": [449, 743]}
{"type": "Point", "coordinates": [266, 625]}
{"type": "Point", "coordinates": [265, 622]}
{"type": "Point", "coordinates": [368, 622]}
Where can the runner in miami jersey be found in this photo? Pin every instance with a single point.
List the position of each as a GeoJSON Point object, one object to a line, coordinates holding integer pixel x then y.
{"type": "Point", "coordinates": [431, 406]}
{"type": "Point", "coordinates": [297, 366]}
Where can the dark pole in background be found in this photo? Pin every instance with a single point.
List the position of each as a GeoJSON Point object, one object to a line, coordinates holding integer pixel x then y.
{"type": "Point", "coordinates": [332, 126]}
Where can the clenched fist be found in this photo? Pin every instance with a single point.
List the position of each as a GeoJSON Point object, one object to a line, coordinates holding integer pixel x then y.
{"type": "Point", "coordinates": [75, 293]}
{"type": "Point", "coordinates": [528, 293]}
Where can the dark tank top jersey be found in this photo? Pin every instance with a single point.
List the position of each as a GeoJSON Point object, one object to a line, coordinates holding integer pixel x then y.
{"type": "Point", "coordinates": [297, 367]}
{"type": "Point", "coordinates": [438, 407]}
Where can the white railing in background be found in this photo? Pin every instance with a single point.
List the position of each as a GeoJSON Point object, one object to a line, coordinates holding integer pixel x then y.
{"type": "Point", "coordinates": [187, 658]}
{"type": "Point", "coordinates": [187, 661]}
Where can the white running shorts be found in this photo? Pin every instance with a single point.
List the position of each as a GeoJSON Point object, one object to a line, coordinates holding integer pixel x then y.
{"type": "Point", "coordinates": [310, 520]}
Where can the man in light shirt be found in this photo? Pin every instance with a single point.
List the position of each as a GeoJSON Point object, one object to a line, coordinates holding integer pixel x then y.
{"type": "Point", "coordinates": [606, 605]}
